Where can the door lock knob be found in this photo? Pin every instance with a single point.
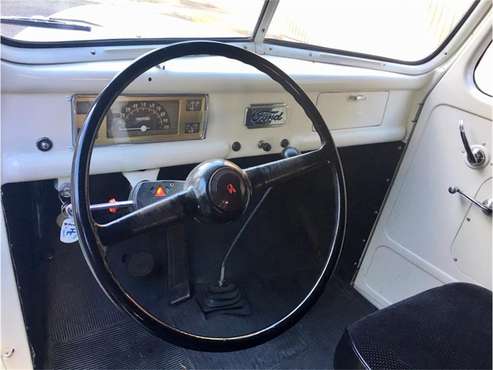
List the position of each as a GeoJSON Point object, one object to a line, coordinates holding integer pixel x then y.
{"type": "Point", "coordinates": [476, 156]}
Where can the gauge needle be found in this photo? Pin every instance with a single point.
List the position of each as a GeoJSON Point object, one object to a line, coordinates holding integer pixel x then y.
{"type": "Point", "coordinates": [142, 128]}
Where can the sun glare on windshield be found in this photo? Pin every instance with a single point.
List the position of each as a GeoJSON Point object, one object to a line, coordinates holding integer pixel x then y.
{"type": "Point", "coordinates": [128, 19]}
{"type": "Point", "coordinates": [418, 27]}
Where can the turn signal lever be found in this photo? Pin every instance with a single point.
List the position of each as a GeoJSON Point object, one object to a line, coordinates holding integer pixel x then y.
{"type": "Point", "coordinates": [475, 155]}
{"type": "Point", "coordinates": [485, 206]}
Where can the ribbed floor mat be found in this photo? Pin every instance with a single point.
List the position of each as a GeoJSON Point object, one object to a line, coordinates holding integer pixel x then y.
{"type": "Point", "coordinates": [84, 330]}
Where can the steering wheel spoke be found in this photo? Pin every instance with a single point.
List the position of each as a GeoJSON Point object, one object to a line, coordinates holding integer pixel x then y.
{"type": "Point", "coordinates": [266, 175]}
{"type": "Point", "coordinates": [166, 211]}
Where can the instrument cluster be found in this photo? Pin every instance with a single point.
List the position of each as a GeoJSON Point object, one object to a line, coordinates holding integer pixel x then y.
{"type": "Point", "coordinates": [144, 119]}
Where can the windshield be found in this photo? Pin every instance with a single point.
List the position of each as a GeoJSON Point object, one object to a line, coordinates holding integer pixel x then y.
{"type": "Point", "coordinates": [397, 29]}
{"type": "Point", "coordinates": [128, 19]}
{"type": "Point", "coordinates": [407, 31]}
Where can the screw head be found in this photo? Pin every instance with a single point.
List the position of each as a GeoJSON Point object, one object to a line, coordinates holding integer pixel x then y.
{"type": "Point", "coordinates": [44, 144]}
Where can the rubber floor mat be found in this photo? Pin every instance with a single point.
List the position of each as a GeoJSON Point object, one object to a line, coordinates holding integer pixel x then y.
{"type": "Point", "coordinates": [85, 331]}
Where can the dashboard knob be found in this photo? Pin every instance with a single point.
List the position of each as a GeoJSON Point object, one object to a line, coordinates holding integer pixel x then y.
{"type": "Point", "coordinates": [284, 143]}
{"type": "Point", "coordinates": [289, 152]}
{"type": "Point", "coordinates": [265, 146]}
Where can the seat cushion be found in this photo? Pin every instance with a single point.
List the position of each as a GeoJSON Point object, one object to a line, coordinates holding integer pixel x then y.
{"type": "Point", "coordinates": [443, 328]}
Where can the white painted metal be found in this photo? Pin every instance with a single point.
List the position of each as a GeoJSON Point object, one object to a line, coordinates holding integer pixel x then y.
{"type": "Point", "coordinates": [482, 75]}
{"type": "Point", "coordinates": [264, 21]}
{"type": "Point", "coordinates": [34, 109]}
{"type": "Point", "coordinates": [475, 228]}
{"type": "Point", "coordinates": [82, 54]}
{"type": "Point", "coordinates": [190, 75]}
{"type": "Point", "coordinates": [419, 232]}
{"type": "Point", "coordinates": [353, 109]}
{"type": "Point", "coordinates": [15, 349]}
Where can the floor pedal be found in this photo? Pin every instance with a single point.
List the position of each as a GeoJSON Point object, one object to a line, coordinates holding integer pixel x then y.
{"type": "Point", "coordinates": [178, 268]}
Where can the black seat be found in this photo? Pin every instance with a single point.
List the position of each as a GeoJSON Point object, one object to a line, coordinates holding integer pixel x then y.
{"type": "Point", "coordinates": [443, 328]}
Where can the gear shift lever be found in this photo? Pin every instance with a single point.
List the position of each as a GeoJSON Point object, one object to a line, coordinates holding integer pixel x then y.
{"type": "Point", "coordinates": [226, 297]}
{"type": "Point", "coordinates": [237, 237]}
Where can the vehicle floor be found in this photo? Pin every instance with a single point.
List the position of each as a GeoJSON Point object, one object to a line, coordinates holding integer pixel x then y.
{"type": "Point", "coordinates": [84, 330]}
{"type": "Point", "coordinates": [71, 324]}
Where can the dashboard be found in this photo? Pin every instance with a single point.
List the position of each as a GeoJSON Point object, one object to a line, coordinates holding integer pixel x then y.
{"type": "Point", "coordinates": [145, 118]}
{"type": "Point", "coordinates": [194, 109]}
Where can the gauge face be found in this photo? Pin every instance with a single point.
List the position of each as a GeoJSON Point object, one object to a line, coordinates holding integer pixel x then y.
{"type": "Point", "coordinates": [141, 118]}
{"type": "Point", "coordinates": [145, 118]}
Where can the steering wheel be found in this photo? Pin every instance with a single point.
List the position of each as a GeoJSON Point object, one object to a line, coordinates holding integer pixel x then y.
{"type": "Point", "coordinates": [205, 196]}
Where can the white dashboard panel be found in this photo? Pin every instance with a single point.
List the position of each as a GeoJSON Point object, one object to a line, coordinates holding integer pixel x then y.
{"type": "Point", "coordinates": [192, 74]}
{"type": "Point", "coordinates": [36, 103]}
{"type": "Point", "coordinates": [353, 109]}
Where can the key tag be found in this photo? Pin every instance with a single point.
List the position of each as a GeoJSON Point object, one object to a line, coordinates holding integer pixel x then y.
{"type": "Point", "coordinates": [68, 231]}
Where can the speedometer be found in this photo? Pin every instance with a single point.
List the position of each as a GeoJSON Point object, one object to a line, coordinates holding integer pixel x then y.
{"type": "Point", "coordinates": [142, 116]}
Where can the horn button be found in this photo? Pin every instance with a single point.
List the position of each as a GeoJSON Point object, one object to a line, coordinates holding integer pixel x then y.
{"type": "Point", "coordinates": [221, 190]}
{"type": "Point", "coordinates": [227, 191]}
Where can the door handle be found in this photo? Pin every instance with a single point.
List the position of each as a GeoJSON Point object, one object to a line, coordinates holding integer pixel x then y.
{"type": "Point", "coordinates": [475, 155]}
{"type": "Point", "coordinates": [485, 206]}
{"type": "Point", "coordinates": [357, 97]}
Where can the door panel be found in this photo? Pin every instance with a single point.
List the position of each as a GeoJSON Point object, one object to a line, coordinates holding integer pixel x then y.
{"type": "Point", "coordinates": [423, 237]}
{"type": "Point", "coordinates": [470, 250]}
{"type": "Point", "coordinates": [424, 202]}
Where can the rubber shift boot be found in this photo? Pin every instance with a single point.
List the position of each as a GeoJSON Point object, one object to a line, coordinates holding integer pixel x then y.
{"type": "Point", "coordinates": [226, 299]}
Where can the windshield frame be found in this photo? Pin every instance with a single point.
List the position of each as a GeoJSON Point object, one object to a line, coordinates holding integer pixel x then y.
{"type": "Point", "coordinates": [257, 42]}
{"type": "Point", "coordinates": [4, 40]}
{"type": "Point", "coordinates": [356, 54]}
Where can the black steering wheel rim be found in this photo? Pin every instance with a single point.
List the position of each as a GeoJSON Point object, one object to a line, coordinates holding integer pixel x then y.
{"type": "Point", "coordinates": [92, 247]}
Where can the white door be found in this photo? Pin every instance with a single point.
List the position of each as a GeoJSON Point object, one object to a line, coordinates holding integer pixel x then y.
{"type": "Point", "coordinates": [426, 236]}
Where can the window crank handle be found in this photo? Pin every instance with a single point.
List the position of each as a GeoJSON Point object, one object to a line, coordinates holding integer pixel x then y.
{"type": "Point", "coordinates": [475, 155]}
{"type": "Point", "coordinates": [485, 206]}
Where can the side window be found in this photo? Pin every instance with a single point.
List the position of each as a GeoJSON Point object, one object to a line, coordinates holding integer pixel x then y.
{"type": "Point", "coordinates": [482, 75]}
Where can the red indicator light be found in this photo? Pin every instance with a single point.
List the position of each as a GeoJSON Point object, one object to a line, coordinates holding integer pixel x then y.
{"type": "Point", "coordinates": [160, 192]}
{"type": "Point", "coordinates": [113, 209]}
{"type": "Point", "coordinates": [231, 188]}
